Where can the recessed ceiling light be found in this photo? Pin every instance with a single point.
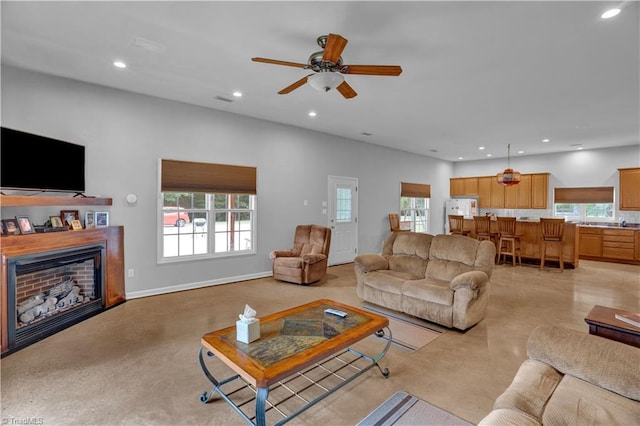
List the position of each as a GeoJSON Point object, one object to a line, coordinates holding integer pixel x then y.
{"type": "Point", "coordinates": [489, 155]}
{"type": "Point", "coordinates": [610, 13]}
{"type": "Point", "coordinates": [119, 64]}
{"type": "Point", "coordinates": [481, 148]}
{"type": "Point", "coordinates": [237, 94]}
{"type": "Point", "coordinates": [521, 152]}
{"type": "Point", "coordinates": [546, 140]}
{"type": "Point", "coordinates": [312, 114]}
{"type": "Point", "coordinates": [460, 158]}
{"type": "Point", "coordinates": [579, 148]}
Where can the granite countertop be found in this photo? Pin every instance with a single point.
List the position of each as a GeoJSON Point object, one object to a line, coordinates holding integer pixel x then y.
{"type": "Point", "coordinates": [609, 225]}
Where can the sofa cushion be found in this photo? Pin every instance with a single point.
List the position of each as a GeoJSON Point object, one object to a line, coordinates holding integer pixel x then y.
{"type": "Point", "coordinates": [429, 290]}
{"type": "Point", "coordinates": [505, 416]}
{"type": "Point", "coordinates": [410, 253]}
{"type": "Point", "coordinates": [531, 388]}
{"type": "Point", "coordinates": [390, 281]}
{"type": "Point", "coordinates": [290, 262]}
{"type": "Point", "coordinates": [603, 362]}
{"type": "Point", "coordinates": [450, 256]}
{"type": "Point", "coordinates": [581, 403]}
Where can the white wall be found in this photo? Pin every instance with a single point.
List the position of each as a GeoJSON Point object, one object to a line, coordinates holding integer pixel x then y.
{"type": "Point", "coordinates": [125, 134]}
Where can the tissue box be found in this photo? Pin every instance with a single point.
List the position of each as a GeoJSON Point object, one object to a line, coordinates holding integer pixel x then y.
{"type": "Point", "coordinates": [248, 332]}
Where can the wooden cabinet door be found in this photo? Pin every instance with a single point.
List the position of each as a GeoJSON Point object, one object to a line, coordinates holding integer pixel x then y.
{"type": "Point", "coordinates": [618, 244]}
{"type": "Point", "coordinates": [456, 186]}
{"type": "Point", "coordinates": [497, 195]}
{"type": "Point", "coordinates": [539, 190]}
{"type": "Point", "coordinates": [637, 245]}
{"type": "Point", "coordinates": [524, 192]}
{"type": "Point", "coordinates": [590, 242]}
{"type": "Point", "coordinates": [629, 180]}
{"type": "Point", "coordinates": [470, 186]}
{"type": "Point", "coordinates": [484, 191]}
{"type": "Point", "coordinates": [511, 196]}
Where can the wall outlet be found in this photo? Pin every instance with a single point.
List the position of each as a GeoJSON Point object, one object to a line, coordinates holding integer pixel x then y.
{"type": "Point", "coordinates": [131, 273]}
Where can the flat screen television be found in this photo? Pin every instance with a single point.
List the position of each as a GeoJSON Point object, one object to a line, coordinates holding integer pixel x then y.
{"type": "Point", "coordinates": [37, 163]}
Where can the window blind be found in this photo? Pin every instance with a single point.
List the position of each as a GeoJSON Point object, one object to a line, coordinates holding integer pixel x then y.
{"type": "Point", "coordinates": [415, 190]}
{"type": "Point", "coordinates": [189, 176]}
{"type": "Point", "coordinates": [600, 194]}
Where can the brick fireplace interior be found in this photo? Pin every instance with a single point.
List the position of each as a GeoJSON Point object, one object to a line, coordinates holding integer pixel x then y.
{"type": "Point", "coordinates": [48, 292]}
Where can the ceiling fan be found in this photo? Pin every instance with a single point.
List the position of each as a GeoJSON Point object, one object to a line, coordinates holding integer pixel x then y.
{"type": "Point", "coordinates": [328, 68]}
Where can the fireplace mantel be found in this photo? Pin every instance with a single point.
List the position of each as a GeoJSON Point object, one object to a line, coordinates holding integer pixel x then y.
{"type": "Point", "coordinates": [21, 245]}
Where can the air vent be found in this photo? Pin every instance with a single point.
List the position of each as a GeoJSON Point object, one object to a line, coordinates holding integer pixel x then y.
{"type": "Point", "coordinates": [366, 134]}
{"type": "Point", "coordinates": [150, 45]}
{"type": "Point", "coordinates": [223, 99]}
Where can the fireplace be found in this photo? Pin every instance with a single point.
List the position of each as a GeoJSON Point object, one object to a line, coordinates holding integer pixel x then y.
{"type": "Point", "coordinates": [48, 292]}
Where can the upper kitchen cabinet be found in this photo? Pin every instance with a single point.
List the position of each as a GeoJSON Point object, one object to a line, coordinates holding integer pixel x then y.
{"type": "Point", "coordinates": [539, 190]}
{"type": "Point", "coordinates": [463, 186]}
{"type": "Point", "coordinates": [629, 188]}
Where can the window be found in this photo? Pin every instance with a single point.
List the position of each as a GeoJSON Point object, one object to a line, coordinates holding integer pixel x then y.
{"type": "Point", "coordinates": [414, 207]}
{"type": "Point", "coordinates": [201, 215]}
{"type": "Point", "coordinates": [584, 204]}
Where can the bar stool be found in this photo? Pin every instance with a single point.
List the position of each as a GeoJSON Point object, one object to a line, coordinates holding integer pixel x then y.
{"type": "Point", "coordinates": [552, 235]}
{"type": "Point", "coordinates": [508, 240]}
{"type": "Point", "coordinates": [456, 225]}
{"type": "Point", "coordinates": [482, 226]}
{"type": "Point", "coordinates": [394, 223]}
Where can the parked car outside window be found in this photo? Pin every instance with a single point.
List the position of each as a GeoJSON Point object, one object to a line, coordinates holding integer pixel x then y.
{"type": "Point", "coordinates": [175, 217]}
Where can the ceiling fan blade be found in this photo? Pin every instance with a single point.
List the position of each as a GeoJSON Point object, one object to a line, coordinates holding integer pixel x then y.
{"type": "Point", "coordinates": [334, 47]}
{"type": "Point", "coordinates": [346, 90]}
{"type": "Point", "coordinates": [392, 70]}
{"type": "Point", "coordinates": [294, 86]}
{"type": "Point", "coordinates": [277, 62]}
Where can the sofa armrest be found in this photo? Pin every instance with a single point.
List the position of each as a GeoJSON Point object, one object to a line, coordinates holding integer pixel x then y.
{"type": "Point", "coordinates": [313, 258]}
{"type": "Point", "coordinates": [605, 363]}
{"type": "Point", "coordinates": [371, 262]}
{"type": "Point", "coordinates": [472, 280]}
{"type": "Point", "coordinates": [281, 253]}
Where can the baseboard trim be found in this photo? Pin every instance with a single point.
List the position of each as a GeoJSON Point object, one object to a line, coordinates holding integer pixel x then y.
{"type": "Point", "coordinates": [196, 285]}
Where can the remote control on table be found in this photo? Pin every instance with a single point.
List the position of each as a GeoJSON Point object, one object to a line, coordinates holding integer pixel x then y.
{"type": "Point", "coordinates": [341, 314]}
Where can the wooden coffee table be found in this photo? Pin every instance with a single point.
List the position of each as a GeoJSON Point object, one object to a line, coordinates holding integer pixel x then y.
{"type": "Point", "coordinates": [303, 355]}
{"type": "Point", "coordinates": [602, 322]}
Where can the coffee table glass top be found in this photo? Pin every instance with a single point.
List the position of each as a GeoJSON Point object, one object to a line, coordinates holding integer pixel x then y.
{"type": "Point", "coordinates": [284, 337]}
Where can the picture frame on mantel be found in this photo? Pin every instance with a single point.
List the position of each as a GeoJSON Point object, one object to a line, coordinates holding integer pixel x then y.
{"type": "Point", "coordinates": [102, 219]}
{"type": "Point", "coordinates": [90, 220]}
{"type": "Point", "coordinates": [10, 227]}
{"type": "Point", "coordinates": [68, 215]}
{"type": "Point", "coordinates": [56, 222]}
{"type": "Point", "coordinates": [25, 225]}
{"type": "Point", "coordinates": [76, 225]}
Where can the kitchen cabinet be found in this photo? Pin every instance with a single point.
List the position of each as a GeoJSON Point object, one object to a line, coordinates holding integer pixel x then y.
{"type": "Point", "coordinates": [590, 242]}
{"type": "Point", "coordinates": [463, 186]}
{"type": "Point", "coordinates": [618, 244]}
{"type": "Point", "coordinates": [531, 193]}
{"type": "Point", "coordinates": [484, 191]}
{"type": "Point", "coordinates": [539, 190]}
{"type": "Point", "coordinates": [629, 183]}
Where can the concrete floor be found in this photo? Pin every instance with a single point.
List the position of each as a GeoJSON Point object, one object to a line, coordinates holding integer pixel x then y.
{"type": "Point", "coordinates": [137, 363]}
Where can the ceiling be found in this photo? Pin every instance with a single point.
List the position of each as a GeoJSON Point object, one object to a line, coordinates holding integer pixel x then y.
{"type": "Point", "coordinates": [474, 73]}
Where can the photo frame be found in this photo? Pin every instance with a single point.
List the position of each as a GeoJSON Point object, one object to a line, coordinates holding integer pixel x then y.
{"type": "Point", "coordinates": [76, 225]}
{"type": "Point", "coordinates": [10, 227]}
{"type": "Point", "coordinates": [68, 215]}
{"type": "Point", "coordinates": [90, 220]}
{"type": "Point", "coordinates": [56, 222]}
{"type": "Point", "coordinates": [102, 219]}
{"type": "Point", "coordinates": [25, 225]}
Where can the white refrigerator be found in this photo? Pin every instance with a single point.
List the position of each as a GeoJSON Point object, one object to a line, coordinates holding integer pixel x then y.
{"type": "Point", "coordinates": [467, 207]}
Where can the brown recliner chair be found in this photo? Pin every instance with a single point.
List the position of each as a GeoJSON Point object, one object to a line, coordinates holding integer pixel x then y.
{"type": "Point", "coordinates": [307, 261]}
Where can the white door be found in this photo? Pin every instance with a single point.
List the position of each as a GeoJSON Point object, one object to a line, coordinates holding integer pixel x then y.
{"type": "Point", "coordinates": [343, 219]}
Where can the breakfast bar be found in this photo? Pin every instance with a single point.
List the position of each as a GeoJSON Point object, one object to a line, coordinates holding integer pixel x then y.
{"type": "Point", "coordinates": [530, 236]}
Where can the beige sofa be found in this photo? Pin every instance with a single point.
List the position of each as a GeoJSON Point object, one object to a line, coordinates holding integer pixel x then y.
{"type": "Point", "coordinates": [572, 378]}
{"type": "Point", "coordinates": [443, 278]}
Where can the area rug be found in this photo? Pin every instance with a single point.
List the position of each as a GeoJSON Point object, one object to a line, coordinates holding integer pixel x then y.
{"type": "Point", "coordinates": [403, 409]}
{"type": "Point", "coordinates": [407, 333]}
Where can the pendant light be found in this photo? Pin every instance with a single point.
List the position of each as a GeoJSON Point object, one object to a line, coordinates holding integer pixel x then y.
{"type": "Point", "coordinates": [509, 176]}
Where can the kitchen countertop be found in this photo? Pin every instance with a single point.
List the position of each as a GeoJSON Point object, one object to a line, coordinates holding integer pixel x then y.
{"type": "Point", "coordinates": [631, 226]}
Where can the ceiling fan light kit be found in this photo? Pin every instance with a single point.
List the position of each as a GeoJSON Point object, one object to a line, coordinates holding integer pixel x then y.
{"type": "Point", "coordinates": [328, 67]}
{"type": "Point", "coordinates": [325, 80]}
{"type": "Point", "coordinates": [509, 176]}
